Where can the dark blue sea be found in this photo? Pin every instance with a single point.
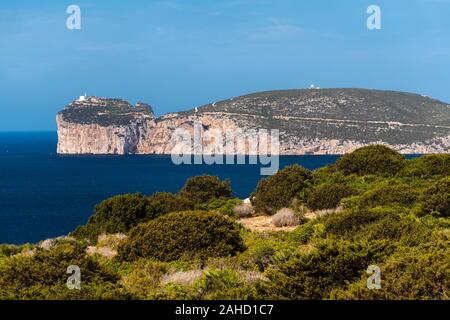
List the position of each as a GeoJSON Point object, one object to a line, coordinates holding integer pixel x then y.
{"type": "Point", "coordinates": [44, 195]}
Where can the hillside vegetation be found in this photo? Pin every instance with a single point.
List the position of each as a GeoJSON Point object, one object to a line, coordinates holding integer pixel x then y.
{"type": "Point", "coordinates": [352, 114]}
{"type": "Point", "coordinates": [372, 207]}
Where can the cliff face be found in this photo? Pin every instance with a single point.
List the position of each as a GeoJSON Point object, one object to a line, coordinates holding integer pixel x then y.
{"type": "Point", "coordinates": [103, 126]}
{"type": "Point", "coordinates": [74, 138]}
{"type": "Point", "coordinates": [326, 121]}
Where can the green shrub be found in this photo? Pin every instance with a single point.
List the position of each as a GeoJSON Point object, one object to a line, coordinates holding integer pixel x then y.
{"type": "Point", "coordinates": [350, 221]}
{"type": "Point", "coordinates": [42, 274]}
{"type": "Point", "coordinates": [436, 199]}
{"type": "Point", "coordinates": [304, 233]}
{"type": "Point", "coordinates": [7, 250]}
{"type": "Point", "coordinates": [413, 273]}
{"type": "Point", "coordinates": [395, 228]}
{"type": "Point", "coordinates": [169, 202]}
{"type": "Point", "coordinates": [223, 284]}
{"type": "Point", "coordinates": [352, 202]}
{"type": "Point", "coordinates": [427, 166]}
{"type": "Point", "coordinates": [374, 159]}
{"type": "Point", "coordinates": [144, 278]}
{"type": "Point", "coordinates": [258, 255]}
{"type": "Point", "coordinates": [330, 266]}
{"type": "Point", "coordinates": [118, 215]}
{"type": "Point", "coordinates": [328, 173]}
{"type": "Point", "coordinates": [278, 191]}
{"type": "Point", "coordinates": [191, 234]}
{"type": "Point", "coordinates": [328, 195]}
{"type": "Point", "coordinates": [222, 206]}
{"type": "Point", "coordinates": [202, 189]}
{"type": "Point", "coordinates": [390, 194]}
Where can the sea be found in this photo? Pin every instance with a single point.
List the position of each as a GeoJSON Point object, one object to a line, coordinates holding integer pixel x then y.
{"type": "Point", "coordinates": [45, 195]}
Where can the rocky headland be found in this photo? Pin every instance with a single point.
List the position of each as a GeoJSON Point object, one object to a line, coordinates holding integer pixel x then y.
{"type": "Point", "coordinates": [310, 121]}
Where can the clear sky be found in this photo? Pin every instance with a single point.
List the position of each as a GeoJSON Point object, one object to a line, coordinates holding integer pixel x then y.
{"type": "Point", "coordinates": [177, 54]}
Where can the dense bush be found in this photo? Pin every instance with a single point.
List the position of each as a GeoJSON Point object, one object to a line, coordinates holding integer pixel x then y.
{"type": "Point", "coordinates": [374, 159]}
{"type": "Point", "coordinates": [144, 277]}
{"type": "Point", "coordinates": [223, 284]}
{"type": "Point", "coordinates": [306, 232]}
{"type": "Point", "coordinates": [202, 189]}
{"type": "Point", "coordinates": [169, 202]}
{"type": "Point", "coordinates": [350, 221]}
{"type": "Point", "coordinates": [417, 273]}
{"type": "Point", "coordinates": [395, 228]}
{"type": "Point", "coordinates": [436, 199]}
{"type": "Point", "coordinates": [7, 250]}
{"type": "Point", "coordinates": [427, 166]}
{"type": "Point", "coordinates": [118, 215]}
{"type": "Point", "coordinates": [278, 191]}
{"type": "Point", "coordinates": [42, 274]}
{"type": "Point", "coordinates": [390, 194]}
{"type": "Point", "coordinates": [258, 255]}
{"type": "Point", "coordinates": [223, 206]}
{"type": "Point", "coordinates": [328, 195]}
{"type": "Point", "coordinates": [190, 234]}
{"type": "Point", "coordinates": [330, 266]}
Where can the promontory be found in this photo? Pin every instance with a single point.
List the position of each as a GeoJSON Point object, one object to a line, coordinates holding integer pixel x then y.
{"type": "Point", "coordinates": [310, 121]}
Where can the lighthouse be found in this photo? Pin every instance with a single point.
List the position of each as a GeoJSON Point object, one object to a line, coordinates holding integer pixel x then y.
{"type": "Point", "coordinates": [82, 98]}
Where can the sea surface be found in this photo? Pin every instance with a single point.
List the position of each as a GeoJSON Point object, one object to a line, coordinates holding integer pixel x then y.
{"type": "Point", "coordinates": [44, 195]}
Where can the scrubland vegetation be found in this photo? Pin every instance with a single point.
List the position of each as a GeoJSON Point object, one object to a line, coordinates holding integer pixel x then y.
{"type": "Point", "coordinates": [372, 207]}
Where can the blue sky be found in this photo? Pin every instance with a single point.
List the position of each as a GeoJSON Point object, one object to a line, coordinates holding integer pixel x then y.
{"type": "Point", "coordinates": [179, 54]}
